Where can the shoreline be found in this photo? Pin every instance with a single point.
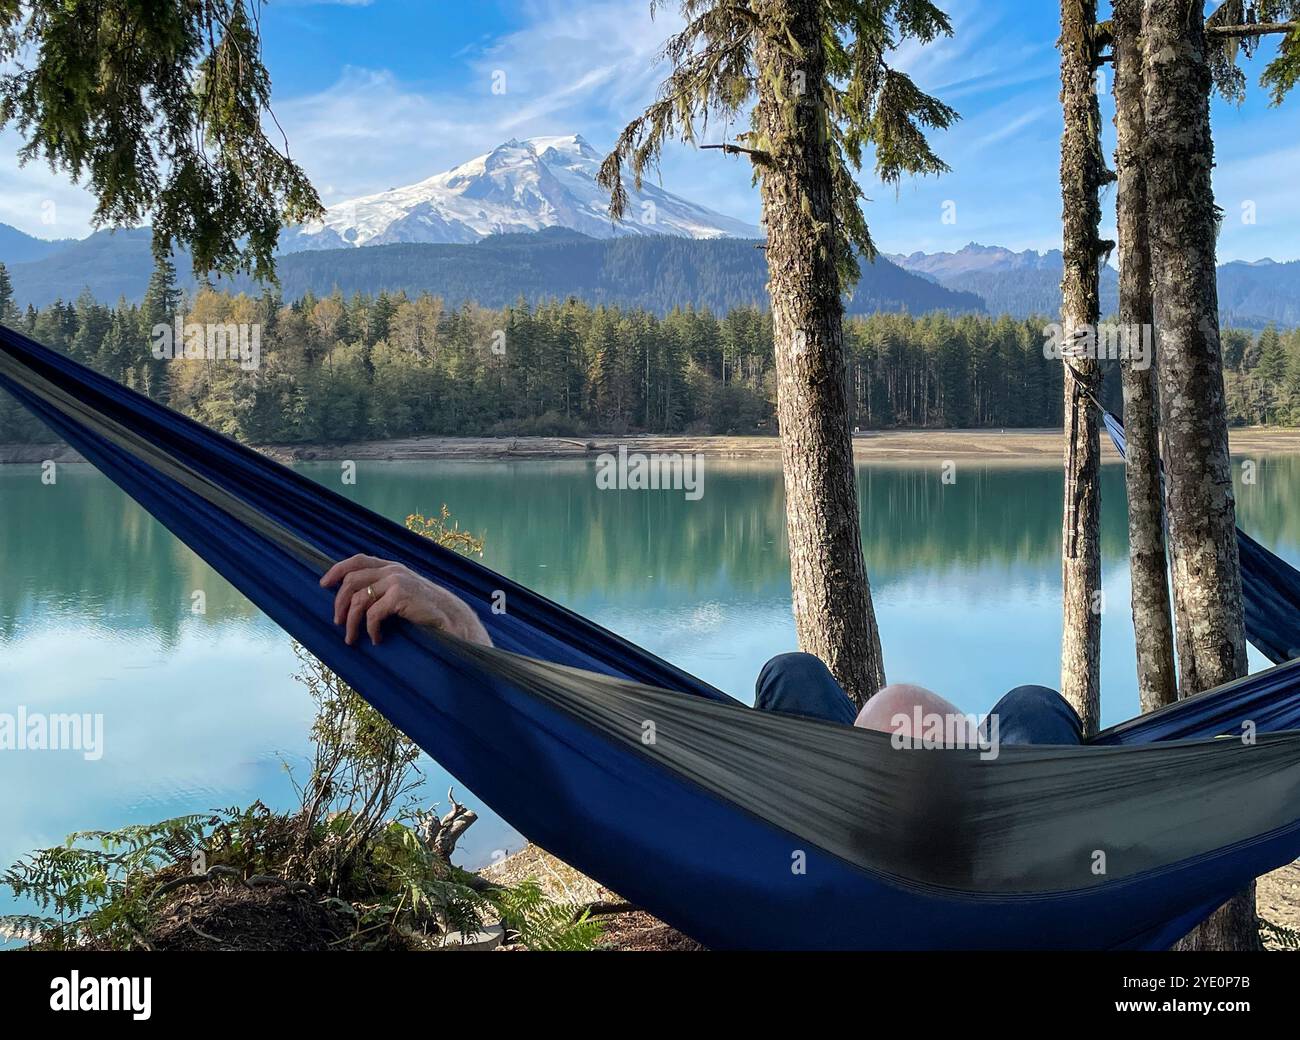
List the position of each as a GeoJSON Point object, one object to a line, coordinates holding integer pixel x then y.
{"type": "Point", "coordinates": [986, 447]}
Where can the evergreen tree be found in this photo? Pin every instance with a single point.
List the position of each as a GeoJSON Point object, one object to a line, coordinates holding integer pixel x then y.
{"type": "Point", "coordinates": [1236, 344]}
{"type": "Point", "coordinates": [815, 77]}
{"type": "Point", "coordinates": [162, 297]}
{"type": "Point", "coordinates": [160, 309]}
{"type": "Point", "coordinates": [1178, 64]}
{"type": "Point", "coordinates": [437, 373]}
{"type": "Point", "coordinates": [1272, 362]}
{"type": "Point", "coordinates": [1290, 409]}
{"type": "Point", "coordinates": [161, 108]}
{"type": "Point", "coordinates": [1236, 28]}
{"type": "Point", "coordinates": [7, 313]}
{"type": "Point", "coordinates": [1150, 603]}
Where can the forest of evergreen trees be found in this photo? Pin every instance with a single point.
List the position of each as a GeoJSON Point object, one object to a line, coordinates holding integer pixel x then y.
{"type": "Point", "coordinates": [373, 367]}
{"type": "Point", "coordinates": [1262, 377]}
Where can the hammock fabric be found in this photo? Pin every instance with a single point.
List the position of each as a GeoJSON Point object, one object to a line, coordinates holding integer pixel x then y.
{"type": "Point", "coordinates": [741, 828]}
{"type": "Point", "coordinates": [1270, 587]}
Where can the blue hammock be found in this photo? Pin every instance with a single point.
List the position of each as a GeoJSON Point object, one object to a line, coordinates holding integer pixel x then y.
{"type": "Point", "coordinates": [741, 828]}
{"type": "Point", "coordinates": [1270, 587]}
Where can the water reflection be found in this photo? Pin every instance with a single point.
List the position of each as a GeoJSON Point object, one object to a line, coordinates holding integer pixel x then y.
{"type": "Point", "coordinates": [201, 710]}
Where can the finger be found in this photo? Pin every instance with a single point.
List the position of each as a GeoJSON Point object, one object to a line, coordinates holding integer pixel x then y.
{"type": "Point", "coordinates": [336, 573]}
{"type": "Point", "coordinates": [356, 614]}
{"type": "Point", "coordinates": [379, 611]}
{"type": "Point", "coordinates": [363, 601]}
{"type": "Point", "coordinates": [371, 577]}
{"type": "Point", "coordinates": [476, 632]}
{"type": "Point", "coordinates": [345, 567]}
{"type": "Point", "coordinates": [357, 581]}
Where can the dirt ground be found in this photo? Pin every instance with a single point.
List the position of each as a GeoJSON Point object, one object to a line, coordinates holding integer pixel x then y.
{"type": "Point", "coordinates": [624, 932]}
{"type": "Point", "coordinates": [901, 446]}
{"type": "Point", "coordinates": [1278, 900]}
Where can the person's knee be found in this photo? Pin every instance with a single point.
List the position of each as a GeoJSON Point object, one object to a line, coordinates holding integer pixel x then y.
{"type": "Point", "coordinates": [1033, 697]}
{"type": "Point", "coordinates": [1036, 715]}
{"type": "Point", "coordinates": [800, 684]}
{"type": "Point", "coordinates": [793, 667]}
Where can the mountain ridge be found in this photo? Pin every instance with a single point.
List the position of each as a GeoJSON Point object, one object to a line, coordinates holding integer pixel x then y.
{"type": "Point", "coordinates": [1252, 293]}
{"type": "Point", "coordinates": [115, 264]}
{"type": "Point", "coordinates": [1022, 284]}
{"type": "Point", "coordinates": [656, 272]}
{"type": "Point", "coordinates": [19, 247]}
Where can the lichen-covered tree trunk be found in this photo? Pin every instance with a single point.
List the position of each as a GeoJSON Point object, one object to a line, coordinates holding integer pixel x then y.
{"type": "Point", "coordinates": [1179, 157]}
{"type": "Point", "coordinates": [1082, 170]}
{"type": "Point", "coordinates": [833, 613]}
{"type": "Point", "coordinates": [1152, 621]}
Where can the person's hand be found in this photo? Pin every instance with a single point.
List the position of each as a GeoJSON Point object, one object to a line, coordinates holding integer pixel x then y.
{"type": "Point", "coordinates": [371, 590]}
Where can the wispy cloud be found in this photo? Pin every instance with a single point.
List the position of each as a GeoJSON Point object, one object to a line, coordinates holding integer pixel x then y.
{"type": "Point", "coordinates": [587, 70]}
{"type": "Point", "coordinates": [983, 55]}
{"type": "Point", "coordinates": [589, 67]}
{"type": "Point", "coordinates": [569, 70]}
{"type": "Point", "coordinates": [37, 201]}
{"type": "Point", "coordinates": [1009, 128]}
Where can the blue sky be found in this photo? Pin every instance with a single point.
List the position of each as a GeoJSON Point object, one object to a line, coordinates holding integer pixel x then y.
{"type": "Point", "coordinates": [379, 93]}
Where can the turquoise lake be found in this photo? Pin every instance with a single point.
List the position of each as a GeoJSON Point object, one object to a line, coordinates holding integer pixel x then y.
{"type": "Point", "coordinates": [202, 712]}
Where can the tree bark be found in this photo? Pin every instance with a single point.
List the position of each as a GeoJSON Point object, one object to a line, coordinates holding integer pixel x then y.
{"type": "Point", "coordinates": [1152, 620]}
{"type": "Point", "coordinates": [1179, 157]}
{"type": "Point", "coordinates": [1082, 173]}
{"type": "Point", "coordinates": [834, 617]}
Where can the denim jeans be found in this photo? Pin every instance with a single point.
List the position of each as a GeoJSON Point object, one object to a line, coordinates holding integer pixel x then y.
{"type": "Point", "coordinates": [800, 684]}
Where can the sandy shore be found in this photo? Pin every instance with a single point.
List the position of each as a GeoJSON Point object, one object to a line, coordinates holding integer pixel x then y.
{"type": "Point", "coordinates": [898, 446]}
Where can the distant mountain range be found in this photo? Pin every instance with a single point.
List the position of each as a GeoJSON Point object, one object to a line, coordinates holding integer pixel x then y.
{"type": "Point", "coordinates": [1251, 294]}
{"type": "Point", "coordinates": [111, 264]}
{"type": "Point", "coordinates": [527, 220]}
{"type": "Point", "coordinates": [1020, 284]}
{"type": "Point", "coordinates": [657, 273]}
{"type": "Point", "coordinates": [17, 248]}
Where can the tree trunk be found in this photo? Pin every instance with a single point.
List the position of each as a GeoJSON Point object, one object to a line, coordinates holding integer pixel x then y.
{"type": "Point", "coordinates": [1152, 622]}
{"type": "Point", "coordinates": [834, 617]}
{"type": "Point", "coordinates": [1082, 171]}
{"type": "Point", "coordinates": [1179, 157]}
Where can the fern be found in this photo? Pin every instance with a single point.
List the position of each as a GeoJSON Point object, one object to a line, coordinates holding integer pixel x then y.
{"type": "Point", "coordinates": [1287, 938]}
{"type": "Point", "coordinates": [96, 885]}
{"type": "Point", "coordinates": [543, 925]}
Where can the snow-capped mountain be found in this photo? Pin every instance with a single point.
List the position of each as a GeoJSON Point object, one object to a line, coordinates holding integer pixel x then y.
{"type": "Point", "coordinates": [520, 186]}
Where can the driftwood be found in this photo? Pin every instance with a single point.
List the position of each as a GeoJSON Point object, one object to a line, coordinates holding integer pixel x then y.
{"type": "Point", "coordinates": [440, 834]}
